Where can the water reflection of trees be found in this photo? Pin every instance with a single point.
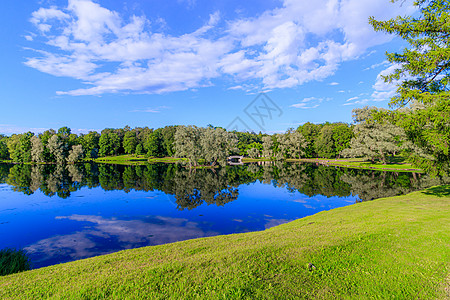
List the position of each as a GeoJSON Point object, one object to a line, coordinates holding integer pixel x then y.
{"type": "Point", "coordinates": [191, 188]}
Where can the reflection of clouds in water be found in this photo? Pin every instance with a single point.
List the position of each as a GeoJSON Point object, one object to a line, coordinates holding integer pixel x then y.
{"type": "Point", "coordinates": [275, 222]}
{"type": "Point", "coordinates": [110, 235]}
{"type": "Point", "coordinates": [300, 200]}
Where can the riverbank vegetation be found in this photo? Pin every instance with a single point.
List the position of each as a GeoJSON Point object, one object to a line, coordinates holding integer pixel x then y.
{"type": "Point", "coordinates": [391, 247]}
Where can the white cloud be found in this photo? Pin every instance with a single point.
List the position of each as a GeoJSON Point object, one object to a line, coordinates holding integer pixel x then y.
{"type": "Point", "coordinates": [333, 83]}
{"type": "Point", "coordinates": [374, 66]}
{"type": "Point", "coordinates": [384, 91]}
{"type": "Point", "coordinates": [311, 102]}
{"type": "Point", "coordinates": [285, 47]}
{"type": "Point", "coordinates": [151, 110]}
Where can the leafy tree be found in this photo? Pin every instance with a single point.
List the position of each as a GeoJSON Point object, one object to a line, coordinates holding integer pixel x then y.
{"type": "Point", "coordinates": [374, 140]}
{"type": "Point", "coordinates": [130, 142]}
{"type": "Point", "coordinates": [37, 149]}
{"type": "Point", "coordinates": [292, 144]}
{"type": "Point", "coordinates": [104, 145]}
{"type": "Point", "coordinates": [187, 143]}
{"type": "Point", "coordinates": [57, 148]}
{"type": "Point", "coordinates": [4, 154]}
{"type": "Point", "coordinates": [154, 145]}
{"type": "Point", "coordinates": [64, 132]}
{"type": "Point", "coordinates": [139, 149]}
{"type": "Point", "coordinates": [90, 143]}
{"type": "Point", "coordinates": [310, 132]}
{"type": "Point", "coordinates": [76, 154]}
{"type": "Point", "coordinates": [217, 144]}
{"type": "Point", "coordinates": [267, 143]}
{"type": "Point", "coordinates": [254, 150]}
{"type": "Point", "coordinates": [423, 76]}
{"type": "Point", "coordinates": [168, 134]}
{"type": "Point", "coordinates": [45, 136]}
{"type": "Point", "coordinates": [342, 135]}
{"type": "Point", "coordinates": [20, 148]}
{"type": "Point", "coordinates": [324, 144]}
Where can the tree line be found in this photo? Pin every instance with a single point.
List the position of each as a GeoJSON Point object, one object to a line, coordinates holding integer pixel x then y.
{"type": "Point", "coordinates": [198, 145]}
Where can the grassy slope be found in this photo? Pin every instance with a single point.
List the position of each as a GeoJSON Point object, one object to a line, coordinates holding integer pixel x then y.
{"type": "Point", "coordinates": [395, 247]}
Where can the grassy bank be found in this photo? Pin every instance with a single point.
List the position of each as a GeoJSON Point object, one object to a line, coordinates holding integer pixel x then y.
{"type": "Point", "coordinates": [134, 160]}
{"type": "Point", "coordinates": [357, 163]}
{"type": "Point", "coordinates": [395, 247]}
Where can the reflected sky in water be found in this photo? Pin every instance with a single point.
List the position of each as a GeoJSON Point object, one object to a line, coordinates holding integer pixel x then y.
{"type": "Point", "coordinates": [62, 214]}
{"type": "Point", "coordinates": [92, 221]}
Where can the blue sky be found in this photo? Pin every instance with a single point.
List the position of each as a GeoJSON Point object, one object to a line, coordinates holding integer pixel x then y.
{"type": "Point", "coordinates": [92, 64]}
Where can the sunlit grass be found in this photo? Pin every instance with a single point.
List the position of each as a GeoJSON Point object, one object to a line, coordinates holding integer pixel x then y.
{"type": "Point", "coordinates": [387, 248]}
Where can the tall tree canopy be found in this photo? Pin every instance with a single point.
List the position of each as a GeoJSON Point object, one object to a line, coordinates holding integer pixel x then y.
{"type": "Point", "coordinates": [423, 76]}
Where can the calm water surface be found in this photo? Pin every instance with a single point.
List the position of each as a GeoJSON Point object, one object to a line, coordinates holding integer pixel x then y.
{"type": "Point", "coordinates": [64, 213]}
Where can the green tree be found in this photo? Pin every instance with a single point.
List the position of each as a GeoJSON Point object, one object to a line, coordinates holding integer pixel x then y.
{"type": "Point", "coordinates": [37, 149]}
{"type": "Point", "coordinates": [154, 145]}
{"type": "Point", "coordinates": [374, 140]}
{"type": "Point", "coordinates": [310, 132]}
{"type": "Point", "coordinates": [187, 144]}
{"type": "Point", "coordinates": [292, 144]}
{"type": "Point", "coordinates": [423, 76]}
{"type": "Point", "coordinates": [45, 136]}
{"type": "Point", "coordinates": [342, 135]}
{"type": "Point", "coordinates": [217, 144]}
{"type": "Point", "coordinates": [76, 154]}
{"type": "Point", "coordinates": [4, 154]}
{"type": "Point", "coordinates": [268, 145]}
{"type": "Point", "coordinates": [57, 148]}
{"type": "Point", "coordinates": [130, 142]}
{"type": "Point", "coordinates": [139, 149]}
{"type": "Point", "coordinates": [21, 147]}
{"type": "Point", "coordinates": [90, 143]}
{"type": "Point", "coordinates": [324, 144]}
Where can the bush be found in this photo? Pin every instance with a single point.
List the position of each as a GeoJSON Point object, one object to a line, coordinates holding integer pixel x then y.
{"type": "Point", "coordinates": [13, 261]}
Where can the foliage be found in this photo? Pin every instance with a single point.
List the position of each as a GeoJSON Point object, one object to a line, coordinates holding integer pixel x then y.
{"type": "Point", "coordinates": [57, 148]}
{"type": "Point", "coordinates": [13, 261]}
{"type": "Point", "coordinates": [130, 142]}
{"type": "Point", "coordinates": [212, 145]}
{"type": "Point", "coordinates": [90, 143]}
{"type": "Point", "coordinates": [332, 139]}
{"type": "Point", "coordinates": [292, 144]}
{"type": "Point", "coordinates": [423, 78]}
{"type": "Point", "coordinates": [154, 145]}
{"type": "Point", "coordinates": [268, 147]}
{"type": "Point", "coordinates": [4, 154]}
{"type": "Point", "coordinates": [37, 149]}
{"type": "Point", "coordinates": [310, 131]}
{"type": "Point", "coordinates": [76, 154]}
{"type": "Point", "coordinates": [375, 140]}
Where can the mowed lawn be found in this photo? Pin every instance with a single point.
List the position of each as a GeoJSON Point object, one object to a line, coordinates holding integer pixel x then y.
{"type": "Point", "coordinates": [391, 248]}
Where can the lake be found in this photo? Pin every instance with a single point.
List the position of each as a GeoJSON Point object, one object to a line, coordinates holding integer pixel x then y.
{"type": "Point", "coordinates": [64, 213]}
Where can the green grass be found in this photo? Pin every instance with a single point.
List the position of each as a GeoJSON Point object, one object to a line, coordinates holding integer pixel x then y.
{"type": "Point", "coordinates": [134, 160]}
{"type": "Point", "coordinates": [396, 247]}
{"type": "Point", "coordinates": [395, 164]}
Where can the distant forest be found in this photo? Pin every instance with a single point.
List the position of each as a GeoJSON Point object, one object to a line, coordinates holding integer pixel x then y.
{"type": "Point", "coordinates": [195, 143]}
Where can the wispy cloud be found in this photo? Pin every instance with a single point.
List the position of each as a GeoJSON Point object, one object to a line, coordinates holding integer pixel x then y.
{"type": "Point", "coordinates": [151, 110]}
{"type": "Point", "coordinates": [374, 66]}
{"type": "Point", "coordinates": [110, 53]}
{"type": "Point", "coordinates": [333, 83]}
{"type": "Point", "coordinates": [311, 102]}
